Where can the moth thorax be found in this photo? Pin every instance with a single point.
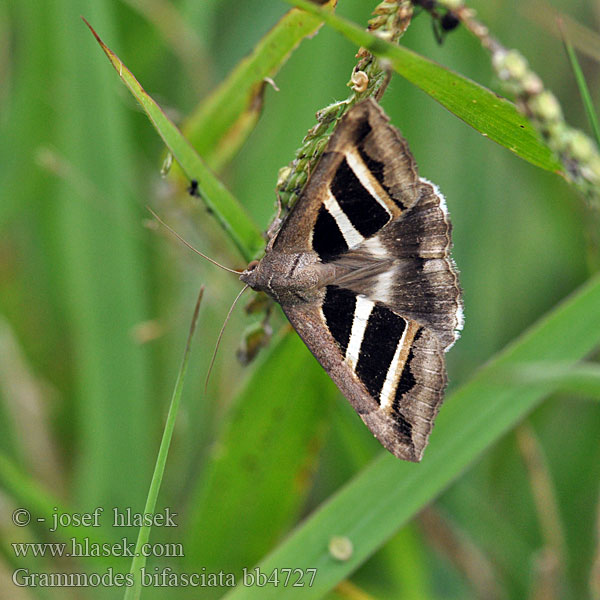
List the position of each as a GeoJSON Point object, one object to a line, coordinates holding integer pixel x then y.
{"type": "Point", "coordinates": [285, 277]}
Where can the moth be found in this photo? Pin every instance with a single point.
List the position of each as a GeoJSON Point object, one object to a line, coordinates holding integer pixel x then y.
{"type": "Point", "coordinates": [361, 267]}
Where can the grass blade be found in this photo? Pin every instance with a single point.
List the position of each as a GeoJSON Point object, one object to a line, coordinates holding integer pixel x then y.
{"type": "Point", "coordinates": [586, 97]}
{"type": "Point", "coordinates": [585, 39]}
{"type": "Point", "coordinates": [389, 492]}
{"type": "Point", "coordinates": [228, 212]}
{"type": "Point", "coordinates": [582, 378]}
{"type": "Point", "coordinates": [269, 445]}
{"type": "Point", "coordinates": [220, 125]}
{"type": "Point", "coordinates": [139, 560]}
{"type": "Point", "coordinates": [110, 371]}
{"type": "Point", "coordinates": [42, 507]}
{"type": "Point", "coordinates": [32, 496]}
{"type": "Point", "coordinates": [491, 115]}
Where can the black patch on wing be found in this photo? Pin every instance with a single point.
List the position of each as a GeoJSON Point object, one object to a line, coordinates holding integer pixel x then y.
{"type": "Point", "coordinates": [338, 308]}
{"type": "Point", "coordinates": [328, 241]}
{"type": "Point", "coordinates": [382, 334]}
{"type": "Point", "coordinates": [363, 130]}
{"type": "Point", "coordinates": [403, 427]}
{"type": "Point", "coordinates": [406, 383]}
{"type": "Point", "coordinates": [407, 379]}
{"type": "Point", "coordinates": [377, 168]}
{"type": "Point", "coordinates": [364, 212]}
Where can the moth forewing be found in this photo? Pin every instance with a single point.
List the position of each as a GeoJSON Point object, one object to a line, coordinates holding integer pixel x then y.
{"type": "Point", "coordinates": [361, 267]}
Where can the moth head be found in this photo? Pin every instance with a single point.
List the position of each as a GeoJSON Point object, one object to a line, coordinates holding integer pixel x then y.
{"type": "Point", "coordinates": [250, 274]}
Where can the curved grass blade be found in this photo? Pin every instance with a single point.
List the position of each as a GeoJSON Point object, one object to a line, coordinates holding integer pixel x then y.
{"type": "Point", "coordinates": [221, 124]}
{"type": "Point", "coordinates": [28, 492]}
{"type": "Point", "coordinates": [582, 378]}
{"type": "Point", "coordinates": [585, 39]}
{"type": "Point", "coordinates": [255, 483]}
{"type": "Point", "coordinates": [139, 559]}
{"type": "Point", "coordinates": [42, 506]}
{"type": "Point", "coordinates": [386, 494]}
{"type": "Point", "coordinates": [228, 212]}
{"type": "Point", "coordinates": [490, 114]}
{"type": "Point", "coordinates": [586, 97]}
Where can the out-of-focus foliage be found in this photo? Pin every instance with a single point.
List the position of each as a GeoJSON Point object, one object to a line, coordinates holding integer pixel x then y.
{"type": "Point", "coordinates": [94, 306]}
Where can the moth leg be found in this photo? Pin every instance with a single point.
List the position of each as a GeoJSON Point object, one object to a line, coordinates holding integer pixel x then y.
{"type": "Point", "coordinates": [258, 335]}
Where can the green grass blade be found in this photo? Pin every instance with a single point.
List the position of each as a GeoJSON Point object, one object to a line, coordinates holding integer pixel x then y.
{"type": "Point", "coordinates": [586, 97]}
{"type": "Point", "coordinates": [491, 115]}
{"type": "Point", "coordinates": [410, 576]}
{"type": "Point", "coordinates": [139, 559]}
{"type": "Point", "coordinates": [228, 212]}
{"type": "Point", "coordinates": [389, 492]}
{"type": "Point", "coordinates": [99, 278]}
{"type": "Point", "coordinates": [220, 125]}
{"type": "Point", "coordinates": [582, 378]}
{"type": "Point", "coordinates": [32, 496]}
{"type": "Point", "coordinates": [263, 457]}
{"type": "Point", "coordinates": [42, 506]}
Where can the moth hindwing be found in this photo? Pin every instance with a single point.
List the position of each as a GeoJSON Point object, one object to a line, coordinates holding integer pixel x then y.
{"type": "Point", "coordinates": [361, 267]}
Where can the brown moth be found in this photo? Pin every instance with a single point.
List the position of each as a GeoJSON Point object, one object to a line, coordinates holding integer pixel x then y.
{"type": "Point", "coordinates": [361, 267]}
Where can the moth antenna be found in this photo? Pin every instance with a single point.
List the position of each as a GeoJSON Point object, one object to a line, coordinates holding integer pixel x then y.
{"type": "Point", "coordinates": [214, 356]}
{"type": "Point", "coordinates": [214, 262]}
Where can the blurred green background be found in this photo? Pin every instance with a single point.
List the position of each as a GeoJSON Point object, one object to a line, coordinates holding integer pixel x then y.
{"type": "Point", "coordinates": [95, 305]}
